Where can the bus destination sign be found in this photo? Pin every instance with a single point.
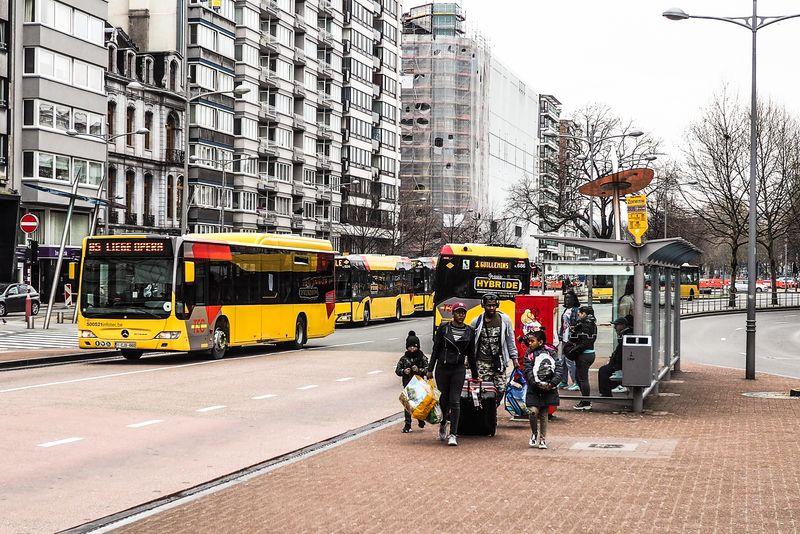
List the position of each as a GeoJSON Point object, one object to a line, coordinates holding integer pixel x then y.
{"type": "Point", "coordinates": [505, 285]}
{"type": "Point", "coordinates": [128, 247]}
{"type": "Point", "coordinates": [493, 265]}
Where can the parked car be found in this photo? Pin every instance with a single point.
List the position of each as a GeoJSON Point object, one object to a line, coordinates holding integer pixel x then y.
{"type": "Point", "coordinates": [12, 298]}
{"type": "Point", "coordinates": [741, 286]}
{"type": "Point", "coordinates": [785, 282]}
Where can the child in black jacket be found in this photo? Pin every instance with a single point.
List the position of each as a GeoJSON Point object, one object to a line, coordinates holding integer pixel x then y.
{"type": "Point", "coordinates": [412, 363]}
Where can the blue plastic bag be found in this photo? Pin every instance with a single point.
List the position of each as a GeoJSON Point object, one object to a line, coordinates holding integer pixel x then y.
{"type": "Point", "coordinates": [514, 400]}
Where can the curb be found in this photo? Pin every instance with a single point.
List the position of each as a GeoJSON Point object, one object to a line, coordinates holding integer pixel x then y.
{"type": "Point", "coordinates": [30, 363]}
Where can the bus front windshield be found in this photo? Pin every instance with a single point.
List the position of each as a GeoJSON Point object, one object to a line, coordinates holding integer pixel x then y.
{"type": "Point", "coordinates": [127, 287]}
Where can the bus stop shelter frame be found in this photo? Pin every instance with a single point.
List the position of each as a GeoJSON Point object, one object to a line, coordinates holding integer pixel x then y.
{"type": "Point", "coordinates": [657, 256]}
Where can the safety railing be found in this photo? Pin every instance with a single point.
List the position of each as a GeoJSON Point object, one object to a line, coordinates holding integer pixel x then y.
{"type": "Point", "coordinates": [720, 302]}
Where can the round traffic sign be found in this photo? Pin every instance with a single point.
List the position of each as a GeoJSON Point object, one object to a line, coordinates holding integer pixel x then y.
{"type": "Point", "coordinates": [29, 223]}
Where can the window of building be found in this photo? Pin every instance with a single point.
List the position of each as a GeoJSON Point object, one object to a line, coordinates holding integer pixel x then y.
{"type": "Point", "coordinates": [283, 205]}
{"type": "Point", "coordinates": [112, 118]}
{"type": "Point", "coordinates": [148, 123]}
{"type": "Point", "coordinates": [130, 124]}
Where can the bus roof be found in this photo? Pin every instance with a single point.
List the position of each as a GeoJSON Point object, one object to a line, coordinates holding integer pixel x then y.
{"type": "Point", "coordinates": [294, 242]}
{"type": "Point", "coordinates": [489, 251]}
{"type": "Point", "coordinates": [377, 262]}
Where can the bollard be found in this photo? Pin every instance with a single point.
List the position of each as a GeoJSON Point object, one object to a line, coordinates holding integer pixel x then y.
{"type": "Point", "coordinates": [29, 322]}
{"type": "Point", "coordinates": [60, 317]}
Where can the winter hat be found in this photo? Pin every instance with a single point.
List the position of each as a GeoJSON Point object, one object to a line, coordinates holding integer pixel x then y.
{"type": "Point", "coordinates": [412, 340]}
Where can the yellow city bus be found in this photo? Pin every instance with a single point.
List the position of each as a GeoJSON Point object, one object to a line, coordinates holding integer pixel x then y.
{"type": "Point", "coordinates": [690, 281]}
{"type": "Point", "coordinates": [465, 272]}
{"type": "Point", "coordinates": [372, 286]}
{"type": "Point", "coordinates": [423, 274]}
{"type": "Point", "coordinates": [204, 292]}
{"type": "Point", "coordinates": [602, 287]}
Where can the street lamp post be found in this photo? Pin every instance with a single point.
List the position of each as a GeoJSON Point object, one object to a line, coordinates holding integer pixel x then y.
{"type": "Point", "coordinates": [237, 91]}
{"type": "Point", "coordinates": [752, 23]}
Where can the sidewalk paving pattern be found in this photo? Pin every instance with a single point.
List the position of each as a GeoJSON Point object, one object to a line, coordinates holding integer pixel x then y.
{"type": "Point", "coordinates": [702, 458]}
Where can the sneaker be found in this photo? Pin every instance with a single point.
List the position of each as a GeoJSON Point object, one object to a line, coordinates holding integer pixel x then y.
{"type": "Point", "coordinates": [542, 443]}
{"type": "Point", "coordinates": [442, 431]}
{"type": "Point", "coordinates": [574, 387]}
{"type": "Point", "coordinates": [421, 424]}
{"type": "Point", "coordinates": [619, 389]}
{"type": "Point", "coordinates": [407, 428]}
{"type": "Point", "coordinates": [451, 440]}
{"type": "Point", "coordinates": [583, 405]}
{"type": "Point", "coordinates": [616, 375]}
{"type": "Point", "coordinates": [532, 441]}
{"type": "Point", "coordinates": [563, 385]}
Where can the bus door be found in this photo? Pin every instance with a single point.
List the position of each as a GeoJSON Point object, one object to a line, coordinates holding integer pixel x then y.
{"type": "Point", "coordinates": [246, 273]}
{"type": "Point", "coordinates": [276, 283]}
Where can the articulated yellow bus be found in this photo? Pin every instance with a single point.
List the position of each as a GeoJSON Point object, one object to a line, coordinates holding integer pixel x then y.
{"type": "Point", "coordinates": [372, 286]}
{"type": "Point", "coordinates": [423, 275]}
{"type": "Point", "coordinates": [204, 292]}
{"type": "Point", "coordinates": [466, 272]}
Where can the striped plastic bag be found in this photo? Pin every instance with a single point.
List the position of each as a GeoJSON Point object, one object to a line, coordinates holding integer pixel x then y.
{"type": "Point", "coordinates": [419, 397]}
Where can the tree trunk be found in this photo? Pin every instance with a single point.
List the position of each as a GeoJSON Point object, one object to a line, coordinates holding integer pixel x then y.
{"type": "Point", "coordinates": [732, 286]}
{"type": "Point", "coordinates": [773, 276]}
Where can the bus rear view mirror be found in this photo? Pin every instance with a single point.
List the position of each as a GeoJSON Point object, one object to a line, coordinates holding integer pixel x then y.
{"type": "Point", "coordinates": [188, 272]}
{"type": "Point", "coordinates": [73, 267]}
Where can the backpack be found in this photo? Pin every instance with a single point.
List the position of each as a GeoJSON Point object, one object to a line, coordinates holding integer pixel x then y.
{"type": "Point", "coordinates": [544, 367]}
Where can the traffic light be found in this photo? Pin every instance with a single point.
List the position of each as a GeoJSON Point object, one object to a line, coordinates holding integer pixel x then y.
{"type": "Point", "coordinates": [32, 253]}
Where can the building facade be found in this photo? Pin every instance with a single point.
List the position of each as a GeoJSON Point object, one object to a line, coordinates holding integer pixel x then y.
{"type": "Point", "coordinates": [9, 191]}
{"type": "Point", "coordinates": [548, 131]}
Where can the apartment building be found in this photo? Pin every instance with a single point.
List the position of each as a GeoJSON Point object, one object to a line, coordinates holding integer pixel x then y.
{"type": "Point", "coordinates": [145, 172]}
{"type": "Point", "coordinates": [371, 98]}
{"type": "Point", "coordinates": [9, 191]}
{"type": "Point", "coordinates": [59, 102]}
{"type": "Point", "coordinates": [549, 116]}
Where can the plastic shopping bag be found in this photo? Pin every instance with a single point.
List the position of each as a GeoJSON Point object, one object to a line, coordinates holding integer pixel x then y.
{"type": "Point", "coordinates": [419, 397]}
{"type": "Point", "coordinates": [516, 389]}
{"type": "Point", "coordinates": [435, 416]}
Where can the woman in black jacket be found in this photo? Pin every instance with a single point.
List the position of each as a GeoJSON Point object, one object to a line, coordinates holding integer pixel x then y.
{"type": "Point", "coordinates": [581, 351]}
{"type": "Point", "coordinates": [453, 343]}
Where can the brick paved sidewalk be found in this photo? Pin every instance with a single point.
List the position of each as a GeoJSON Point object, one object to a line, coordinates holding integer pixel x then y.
{"type": "Point", "coordinates": [703, 458]}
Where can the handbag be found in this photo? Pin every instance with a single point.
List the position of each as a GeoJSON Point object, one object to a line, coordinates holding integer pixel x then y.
{"type": "Point", "coordinates": [566, 350]}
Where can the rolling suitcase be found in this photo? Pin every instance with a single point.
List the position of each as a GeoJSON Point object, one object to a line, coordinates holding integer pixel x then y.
{"type": "Point", "coordinates": [478, 415]}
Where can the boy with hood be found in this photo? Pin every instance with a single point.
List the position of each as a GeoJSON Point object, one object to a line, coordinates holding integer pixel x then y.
{"type": "Point", "coordinates": [581, 351]}
{"type": "Point", "coordinates": [412, 363]}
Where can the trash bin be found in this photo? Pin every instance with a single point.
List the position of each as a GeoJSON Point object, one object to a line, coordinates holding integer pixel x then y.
{"type": "Point", "coordinates": [637, 360]}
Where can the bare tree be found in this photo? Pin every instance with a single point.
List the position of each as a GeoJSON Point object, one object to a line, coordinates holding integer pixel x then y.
{"type": "Point", "coordinates": [552, 206]}
{"type": "Point", "coordinates": [716, 161]}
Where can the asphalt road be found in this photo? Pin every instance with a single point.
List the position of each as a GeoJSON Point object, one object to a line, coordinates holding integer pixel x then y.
{"type": "Point", "coordinates": [86, 440]}
{"type": "Point", "coordinates": [720, 340]}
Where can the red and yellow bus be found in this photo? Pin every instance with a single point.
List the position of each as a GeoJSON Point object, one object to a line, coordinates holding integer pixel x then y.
{"type": "Point", "coordinates": [204, 292]}
{"type": "Point", "coordinates": [465, 272]}
{"type": "Point", "coordinates": [423, 274]}
{"type": "Point", "coordinates": [372, 286]}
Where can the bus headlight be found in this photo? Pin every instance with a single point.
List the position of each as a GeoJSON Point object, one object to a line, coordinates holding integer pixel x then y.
{"type": "Point", "coordinates": [87, 334]}
{"type": "Point", "coordinates": [168, 334]}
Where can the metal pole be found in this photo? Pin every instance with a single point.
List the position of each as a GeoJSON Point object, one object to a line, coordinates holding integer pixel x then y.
{"type": "Point", "coordinates": [617, 222]}
{"type": "Point", "coordinates": [108, 185]}
{"type": "Point", "coordinates": [185, 67]}
{"type": "Point", "coordinates": [676, 321]}
{"type": "Point", "coordinates": [223, 198]}
{"type": "Point", "coordinates": [750, 358]}
{"type": "Point", "coordinates": [655, 324]}
{"type": "Point", "coordinates": [668, 303]}
{"type": "Point", "coordinates": [57, 272]}
{"type": "Point", "coordinates": [96, 214]}
{"type": "Point", "coordinates": [638, 325]}
{"type": "Point", "coordinates": [590, 278]}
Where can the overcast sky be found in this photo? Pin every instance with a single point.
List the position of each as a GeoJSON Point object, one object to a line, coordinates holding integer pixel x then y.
{"type": "Point", "coordinates": [657, 72]}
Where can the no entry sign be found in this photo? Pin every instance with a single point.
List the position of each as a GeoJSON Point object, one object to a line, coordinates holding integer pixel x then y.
{"type": "Point", "coordinates": [29, 223]}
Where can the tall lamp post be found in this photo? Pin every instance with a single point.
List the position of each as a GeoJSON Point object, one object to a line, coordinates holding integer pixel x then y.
{"type": "Point", "coordinates": [752, 23]}
{"type": "Point", "coordinates": [236, 92]}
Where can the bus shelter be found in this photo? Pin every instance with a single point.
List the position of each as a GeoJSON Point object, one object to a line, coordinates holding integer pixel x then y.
{"type": "Point", "coordinates": [650, 274]}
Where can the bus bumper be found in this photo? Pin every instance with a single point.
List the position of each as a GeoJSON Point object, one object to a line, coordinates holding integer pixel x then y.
{"type": "Point", "coordinates": [146, 345]}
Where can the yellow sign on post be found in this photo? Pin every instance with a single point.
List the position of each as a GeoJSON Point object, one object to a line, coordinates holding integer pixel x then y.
{"type": "Point", "coordinates": [637, 216]}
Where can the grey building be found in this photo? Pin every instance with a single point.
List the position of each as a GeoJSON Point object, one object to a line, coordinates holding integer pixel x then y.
{"type": "Point", "coordinates": [59, 60]}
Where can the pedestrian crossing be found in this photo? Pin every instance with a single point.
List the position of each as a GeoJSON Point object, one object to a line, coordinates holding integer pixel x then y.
{"type": "Point", "coordinates": [38, 339]}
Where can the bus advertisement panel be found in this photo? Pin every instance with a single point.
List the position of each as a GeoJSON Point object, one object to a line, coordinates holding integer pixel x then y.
{"type": "Point", "coordinates": [466, 272]}
{"type": "Point", "coordinates": [204, 292]}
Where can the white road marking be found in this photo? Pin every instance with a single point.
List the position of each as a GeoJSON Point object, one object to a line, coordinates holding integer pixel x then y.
{"type": "Point", "coordinates": [210, 408]}
{"type": "Point", "coordinates": [310, 386]}
{"type": "Point", "coordinates": [375, 372]}
{"type": "Point", "coordinates": [146, 423]}
{"type": "Point", "coordinates": [740, 328]}
{"type": "Point", "coordinates": [59, 442]}
{"type": "Point", "coordinates": [722, 339]}
{"type": "Point", "coordinates": [392, 339]}
{"type": "Point", "coordinates": [344, 379]}
{"type": "Point", "coordinates": [262, 397]}
{"type": "Point", "coordinates": [344, 345]}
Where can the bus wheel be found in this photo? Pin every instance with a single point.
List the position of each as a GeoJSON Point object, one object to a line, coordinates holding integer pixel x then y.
{"type": "Point", "coordinates": [219, 342]}
{"type": "Point", "coordinates": [398, 312]}
{"type": "Point", "coordinates": [691, 294]}
{"type": "Point", "coordinates": [365, 322]}
{"type": "Point", "coordinates": [132, 355]}
{"type": "Point", "coordinates": [300, 334]}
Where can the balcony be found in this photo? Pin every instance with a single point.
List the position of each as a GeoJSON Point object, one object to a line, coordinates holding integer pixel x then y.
{"type": "Point", "coordinates": [268, 147]}
{"type": "Point", "coordinates": [174, 156]}
{"type": "Point", "coordinates": [299, 56]}
{"type": "Point", "coordinates": [323, 161]}
{"type": "Point", "coordinates": [270, 8]}
{"type": "Point", "coordinates": [325, 69]}
{"type": "Point", "coordinates": [325, 100]}
{"type": "Point", "coordinates": [322, 225]}
{"type": "Point", "coordinates": [268, 112]}
{"type": "Point", "coordinates": [267, 183]}
{"type": "Point", "coordinates": [298, 189]}
{"type": "Point", "coordinates": [297, 222]}
{"type": "Point", "coordinates": [131, 219]}
{"type": "Point", "coordinates": [298, 122]}
{"type": "Point", "coordinates": [268, 77]}
{"type": "Point", "coordinates": [266, 218]}
{"type": "Point", "coordinates": [323, 130]}
{"type": "Point", "coordinates": [300, 25]}
{"type": "Point", "coordinates": [298, 155]}
{"type": "Point", "coordinates": [299, 90]}
{"type": "Point", "coordinates": [376, 118]}
{"type": "Point", "coordinates": [270, 43]}
{"type": "Point", "coordinates": [376, 145]}
{"type": "Point", "coordinates": [325, 38]}
{"type": "Point", "coordinates": [324, 193]}
{"type": "Point", "coordinates": [113, 217]}
{"type": "Point", "coordinates": [325, 7]}
{"type": "Point", "coordinates": [149, 220]}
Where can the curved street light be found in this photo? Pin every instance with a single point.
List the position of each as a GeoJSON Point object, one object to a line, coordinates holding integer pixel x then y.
{"type": "Point", "coordinates": [752, 23]}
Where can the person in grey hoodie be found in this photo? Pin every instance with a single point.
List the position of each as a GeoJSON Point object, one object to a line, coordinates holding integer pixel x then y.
{"type": "Point", "coordinates": [494, 343]}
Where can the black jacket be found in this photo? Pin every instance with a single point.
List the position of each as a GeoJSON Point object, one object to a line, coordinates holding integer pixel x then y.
{"type": "Point", "coordinates": [451, 353]}
{"type": "Point", "coordinates": [408, 360]}
{"type": "Point", "coordinates": [616, 356]}
{"type": "Point", "coordinates": [530, 361]}
{"type": "Point", "coordinates": [582, 337]}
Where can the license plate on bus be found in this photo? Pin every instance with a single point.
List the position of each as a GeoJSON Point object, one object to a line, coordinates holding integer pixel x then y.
{"type": "Point", "coordinates": [125, 345]}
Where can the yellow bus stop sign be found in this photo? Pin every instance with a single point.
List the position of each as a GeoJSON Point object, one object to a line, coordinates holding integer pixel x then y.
{"type": "Point", "coordinates": [637, 216]}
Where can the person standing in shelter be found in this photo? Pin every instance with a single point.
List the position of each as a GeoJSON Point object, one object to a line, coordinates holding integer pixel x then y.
{"type": "Point", "coordinates": [568, 320]}
{"type": "Point", "coordinates": [581, 351]}
{"type": "Point", "coordinates": [495, 345]}
{"type": "Point", "coordinates": [453, 344]}
{"type": "Point", "coordinates": [625, 302]}
{"type": "Point", "coordinates": [605, 373]}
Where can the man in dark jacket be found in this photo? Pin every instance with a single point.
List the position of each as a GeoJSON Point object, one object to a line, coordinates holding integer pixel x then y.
{"type": "Point", "coordinates": [412, 363]}
{"type": "Point", "coordinates": [622, 326]}
{"type": "Point", "coordinates": [581, 350]}
{"type": "Point", "coordinates": [453, 344]}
